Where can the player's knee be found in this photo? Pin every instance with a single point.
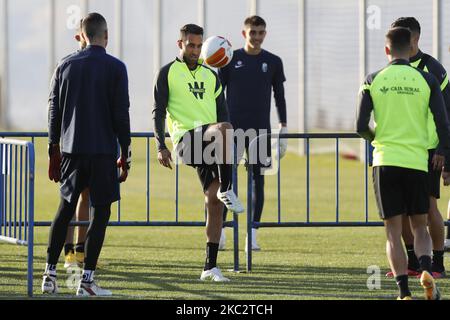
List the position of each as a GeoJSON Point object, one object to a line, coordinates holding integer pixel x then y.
{"type": "Point", "coordinates": [433, 209]}
{"type": "Point", "coordinates": [394, 235]}
{"type": "Point", "coordinates": [419, 229]}
{"type": "Point", "coordinates": [211, 199]}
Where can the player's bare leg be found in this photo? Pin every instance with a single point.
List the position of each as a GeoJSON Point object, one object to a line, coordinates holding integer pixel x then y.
{"type": "Point", "coordinates": [219, 133]}
{"type": "Point", "coordinates": [396, 255]}
{"type": "Point", "coordinates": [423, 247]}
{"type": "Point", "coordinates": [437, 233]}
{"type": "Point", "coordinates": [408, 238]}
{"type": "Point", "coordinates": [447, 239]}
{"type": "Point", "coordinates": [82, 215]}
{"type": "Point", "coordinates": [213, 230]}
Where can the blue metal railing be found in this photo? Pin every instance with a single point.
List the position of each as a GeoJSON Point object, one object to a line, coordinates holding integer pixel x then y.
{"type": "Point", "coordinates": [119, 221]}
{"type": "Point", "coordinates": [17, 198]}
{"type": "Point", "coordinates": [308, 223]}
{"type": "Point", "coordinates": [7, 200]}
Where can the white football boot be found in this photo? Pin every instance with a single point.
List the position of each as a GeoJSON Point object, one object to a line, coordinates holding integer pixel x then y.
{"type": "Point", "coordinates": [230, 200]}
{"type": "Point", "coordinates": [213, 274]}
{"type": "Point", "coordinates": [49, 284]}
{"type": "Point", "coordinates": [92, 289]}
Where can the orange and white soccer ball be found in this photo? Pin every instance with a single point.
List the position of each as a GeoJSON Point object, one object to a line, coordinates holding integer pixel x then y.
{"type": "Point", "coordinates": [217, 52]}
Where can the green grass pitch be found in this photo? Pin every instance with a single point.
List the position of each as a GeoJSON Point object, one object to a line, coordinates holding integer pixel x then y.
{"type": "Point", "coordinates": [166, 262]}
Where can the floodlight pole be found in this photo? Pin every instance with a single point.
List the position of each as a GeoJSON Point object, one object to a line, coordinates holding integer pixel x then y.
{"type": "Point", "coordinates": [119, 31]}
{"type": "Point", "coordinates": [4, 67]}
{"type": "Point", "coordinates": [437, 28]}
{"type": "Point", "coordinates": [362, 60]}
{"type": "Point", "coordinates": [254, 7]}
{"type": "Point", "coordinates": [302, 111]}
{"type": "Point", "coordinates": [52, 43]}
{"type": "Point", "coordinates": [202, 14]}
{"type": "Point", "coordinates": [157, 30]}
{"type": "Point", "coordinates": [84, 8]}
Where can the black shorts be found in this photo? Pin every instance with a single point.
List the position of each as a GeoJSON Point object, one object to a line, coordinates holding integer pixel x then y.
{"type": "Point", "coordinates": [98, 172]}
{"type": "Point", "coordinates": [434, 177]}
{"type": "Point", "coordinates": [190, 151]}
{"type": "Point", "coordinates": [400, 190]}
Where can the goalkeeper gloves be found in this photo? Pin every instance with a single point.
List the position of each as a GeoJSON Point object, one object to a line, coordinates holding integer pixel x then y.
{"type": "Point", "coordinates": [124, 162]}
{"type": "Point", "coordinates": [54, 163]}
{"type": "Point", "coordinates": [283, 142]}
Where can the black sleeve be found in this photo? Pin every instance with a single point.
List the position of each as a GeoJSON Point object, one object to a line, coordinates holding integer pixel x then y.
{"type": "Point", "coordinates": [446, 97]}
{"type": "Point", "coordinates": [224, 75]}
{"type": "Point", "coordinates": [436, 69]}
{"type": "Point", "coordinates": [364, 112]}
{"type": "Point", "coordinates": [439, 112]}
{"type": "Point", "coordinates": [161, 98]}
{"type": "Point", "coordinates": [54, 110]}
{"type": "Point", "coordinates": [121, 108]}
{"type": "Point", "coordinates": [221, 103]}
{"type": "Point", "coordinates": [278, 91]}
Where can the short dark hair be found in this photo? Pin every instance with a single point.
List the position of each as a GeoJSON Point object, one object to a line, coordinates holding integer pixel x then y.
{"type": "Point", "coordinates": [254, 21]}
{"type": "Point", "coordinates": [94, 25]}
{"type": "Point", "coordinates": [399, 40]}
{"type": "Point", "coordinates": [190, 29]}
{"type": "Point", "coordinates": [407, 22]}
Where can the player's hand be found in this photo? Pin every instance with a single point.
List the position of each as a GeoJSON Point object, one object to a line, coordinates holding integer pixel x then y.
{"type": "Point", "coordinates": [283, 142]}
{"type": "Point", "coordinates": [438, 161]}
{"type": "Point", "coordinates": [54, 162]}
{"type": "Point", "coordinates": [446, 178]}
{"type": "Point", "coordinates": [124, 162]}
{"type": "Point", "coordinates": [165, 158]}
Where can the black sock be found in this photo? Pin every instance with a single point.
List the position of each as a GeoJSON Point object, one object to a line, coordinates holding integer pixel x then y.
{"type": "Point", "coordinates": [413, 262]}
{"type": "Point", "coordinates": [438, 261]}
{"type": "Point", "coordinates": [211, 255]}
{"type": "Point", "coordinates": [79, 247]}
{"type": "Point", "coordinates": [425, 263]}
{"type": "Point", "coordinates": [68, 247]}
{"type": "Point", "coordinates": [225, 177]}
{"type": "Point", "coordinates": [448, 229]}
{"type": "Point", "coordinates": [402, 283]}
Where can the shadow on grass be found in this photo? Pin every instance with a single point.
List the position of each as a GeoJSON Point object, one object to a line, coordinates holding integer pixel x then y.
{"type": "Point", "coordinates": [166, 280]}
